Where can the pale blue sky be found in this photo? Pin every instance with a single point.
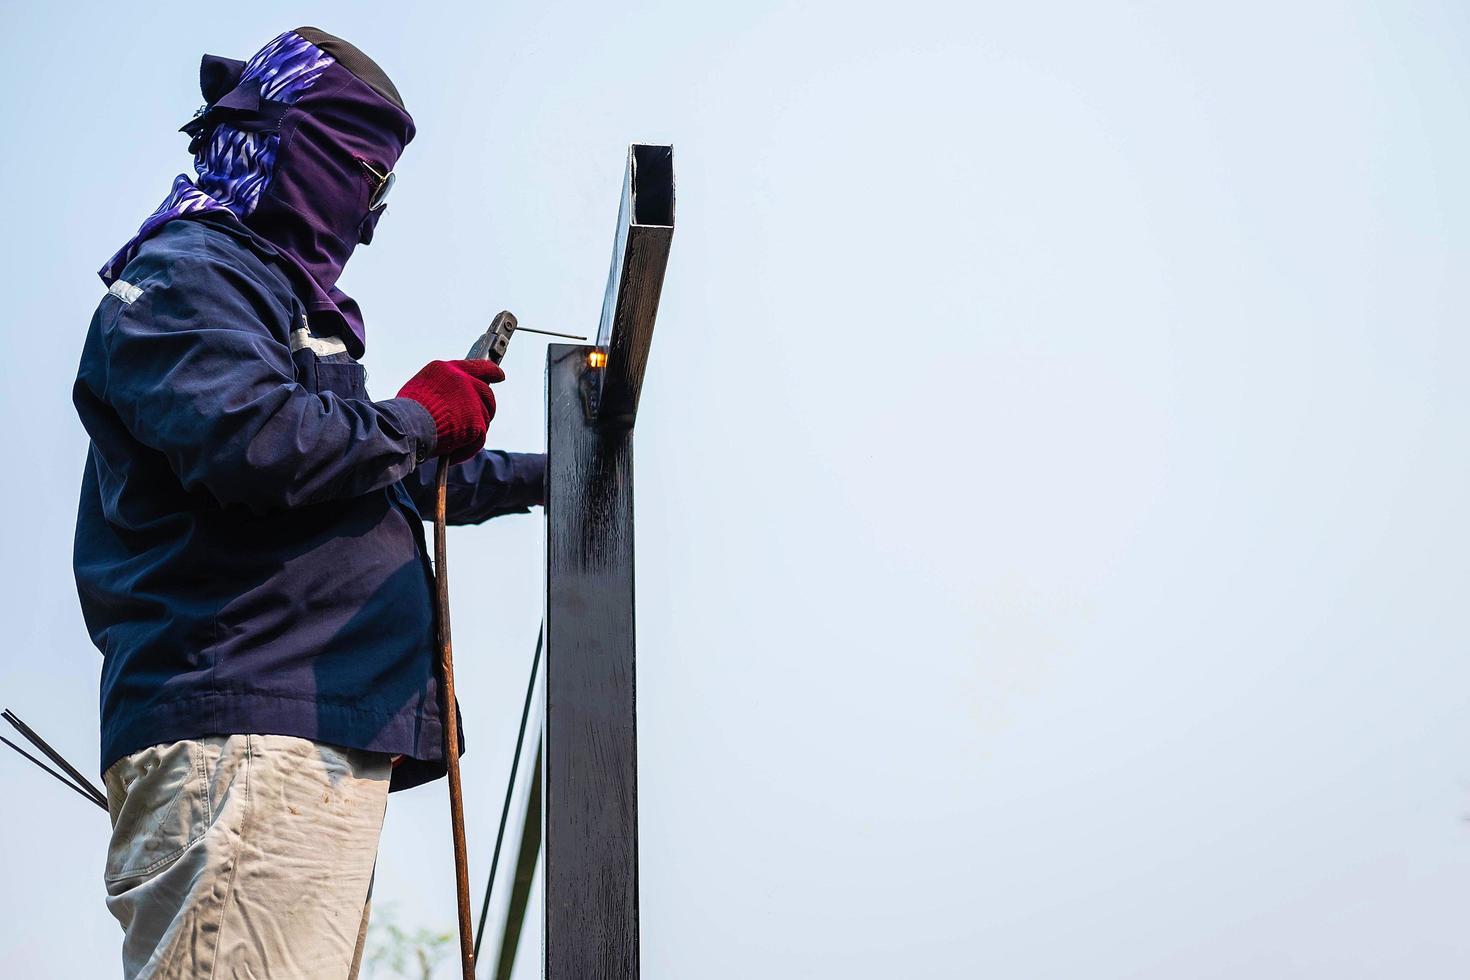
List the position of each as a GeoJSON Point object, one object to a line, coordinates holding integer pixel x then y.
{"type": "Point", "coordinates": [1051, 468]}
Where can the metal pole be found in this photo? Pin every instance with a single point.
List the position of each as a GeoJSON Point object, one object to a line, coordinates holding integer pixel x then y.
{"type": "Point", "coordinates": [520, 891]}
{"type": "Point", "coordinates": [510, 789]}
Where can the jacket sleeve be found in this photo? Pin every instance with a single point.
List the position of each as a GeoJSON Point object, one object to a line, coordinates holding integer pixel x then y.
{"type": "Point", "coordinates": [194, 372]}
{"type": "Point", "coordinates": [486, 485]}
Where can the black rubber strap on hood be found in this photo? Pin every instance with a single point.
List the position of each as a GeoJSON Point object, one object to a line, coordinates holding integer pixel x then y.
{"type": "Point", "coordinates": [354, 61]}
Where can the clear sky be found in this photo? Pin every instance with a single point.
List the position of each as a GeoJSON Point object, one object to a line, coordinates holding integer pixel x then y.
{"type": "Point", "coordinates": [1052, 550]}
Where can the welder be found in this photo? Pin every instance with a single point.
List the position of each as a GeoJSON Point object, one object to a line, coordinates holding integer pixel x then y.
{"type": "Point", "coordinates": [250, 554]}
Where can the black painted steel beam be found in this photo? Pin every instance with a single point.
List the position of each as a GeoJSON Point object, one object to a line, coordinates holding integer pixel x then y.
{"type": "Point", "coordinates": [591, 777]}
{"type": "Point", "coordinates": [635, 280]}
{"type": "Point", "coordinates": [590, 740]}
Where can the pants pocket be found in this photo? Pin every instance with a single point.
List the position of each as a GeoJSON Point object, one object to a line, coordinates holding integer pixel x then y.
{"type": "Point", "coordinates": [162, 806]}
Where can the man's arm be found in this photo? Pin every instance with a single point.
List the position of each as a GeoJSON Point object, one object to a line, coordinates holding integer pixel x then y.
{"type": "Point", "coordinates": [194, 372]}
{"type": "Point", "coordinates": [486, 485]}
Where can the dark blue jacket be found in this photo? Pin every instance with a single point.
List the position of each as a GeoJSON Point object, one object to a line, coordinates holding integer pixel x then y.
{"type": "Point", "coordinates": [249, 550]}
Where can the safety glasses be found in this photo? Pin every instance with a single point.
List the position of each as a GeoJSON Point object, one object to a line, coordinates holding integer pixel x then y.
{"type": "Point", "coordinates": [384, 185]}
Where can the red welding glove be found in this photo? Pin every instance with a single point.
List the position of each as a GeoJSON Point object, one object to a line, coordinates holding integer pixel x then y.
{"type": "Point", "coordinates": [458, 396]}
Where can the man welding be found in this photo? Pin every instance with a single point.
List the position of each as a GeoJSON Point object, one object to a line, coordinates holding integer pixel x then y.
{"type": "Point", "coordinates": [249, 549]}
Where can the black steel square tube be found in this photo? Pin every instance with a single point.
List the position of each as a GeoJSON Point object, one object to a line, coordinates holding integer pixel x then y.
{"type": "Point", "coordinates": [590, 746]}
{"type": "Point", "coordinates": [591, 735]}
{"type": "Point", "coordinates": [635, 280]}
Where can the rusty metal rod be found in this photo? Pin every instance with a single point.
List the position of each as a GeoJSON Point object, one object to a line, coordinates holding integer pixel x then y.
{"type": "Point", "coordinates": [451, 725]}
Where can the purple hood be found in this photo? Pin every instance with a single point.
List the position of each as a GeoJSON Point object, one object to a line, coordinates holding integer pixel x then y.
{"type": "Point", "coordinates": [280, 149]}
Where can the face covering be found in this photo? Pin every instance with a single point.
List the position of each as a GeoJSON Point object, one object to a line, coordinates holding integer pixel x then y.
{"type": "Point", "coordinates": [291, 148]}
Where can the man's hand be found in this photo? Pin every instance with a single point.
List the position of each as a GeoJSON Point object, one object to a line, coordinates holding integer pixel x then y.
{"type": "Point", "coordinates": [457, 394]}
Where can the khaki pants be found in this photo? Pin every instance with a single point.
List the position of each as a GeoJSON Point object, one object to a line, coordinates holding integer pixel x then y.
{"type": "Point", "coordinates": [244, 856]}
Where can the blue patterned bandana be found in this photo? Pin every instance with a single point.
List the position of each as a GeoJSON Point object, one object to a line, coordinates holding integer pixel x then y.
{"type": "Point", "coordinates": [235, 165]}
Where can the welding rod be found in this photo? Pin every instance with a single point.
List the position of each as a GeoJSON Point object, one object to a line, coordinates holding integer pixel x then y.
{"type": "Point", "coordinates": [53, 773]}
{"type": "Point", "coordinates": [548, 333]}
{"type": "Point", "coordinates": [54, 756]}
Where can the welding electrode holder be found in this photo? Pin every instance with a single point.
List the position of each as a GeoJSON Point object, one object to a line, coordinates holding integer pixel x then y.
{"type": "Point", "coordinates": [495, 341]}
